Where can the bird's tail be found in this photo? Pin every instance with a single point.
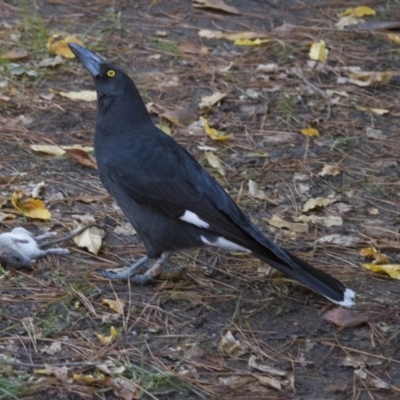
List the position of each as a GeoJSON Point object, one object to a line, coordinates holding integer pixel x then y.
{"type": "Point", "coordinates": [311, 277]}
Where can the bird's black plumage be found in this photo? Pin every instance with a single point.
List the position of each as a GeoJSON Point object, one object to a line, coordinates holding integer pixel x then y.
{"type": "Point", "coordinates": [171, 201]}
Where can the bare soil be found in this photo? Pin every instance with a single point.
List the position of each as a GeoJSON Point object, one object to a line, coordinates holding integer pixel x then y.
{"type": "Point", "coordinates": [169, 338]}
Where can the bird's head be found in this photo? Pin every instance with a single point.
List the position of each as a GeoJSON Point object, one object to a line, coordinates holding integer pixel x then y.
{"type": "Point", "coordinates": [109, 79]}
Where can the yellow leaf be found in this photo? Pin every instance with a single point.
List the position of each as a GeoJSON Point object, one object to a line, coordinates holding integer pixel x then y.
{"type": "Point", "coordinates": [310, 132]}
{"type": "Point", "coordinates": [86, 379]}
{"type": "Point", "coordinates": [319, 52]}
{"type": "Point", "coordinates": [115, 305]}
{"type": "Point", "coordinates": [165, 128]}
{"type": "Point", "coordinates": [209, 101]}
{"type": "Point", "coordinates": [317, 202]}
{"type": "Point", "coordinates": [329, 170]}
{"type": "Point", "coordinates": [367, 78]}
{"type": "Point", "coordinates": [372, 252]}
{"type": "Point", "coordinates": [377, 111]}
{"type": "Point", "coordinates": [214, 162]}
{"type": "Point", "coordinates": [209, 34]}
{"type": "Point", "coordinates": [90, 238]}
{"type": "Point", "coordinates": [393, 270]}
{"type": "Point", "coordinates": [213, 133]}
{"type": "Point", "coordinates": [60, 47]}
{"type": "Point", "coordinates": [85, 95]}
{"type": "Point", "coordinates": [394, 38]}
{"type": "Point", "coordinates": [29, 207]}
{"type": "Point", "coordinates": [358, 12]}
{"type": "Point", "coordinates": [249, 42]}
{"type": "Point", "coordinates": [48, 149]}
{"type": "Point", "coordinates": [108, 339]}
{"type": "Point", "coordinates": [278, 222]}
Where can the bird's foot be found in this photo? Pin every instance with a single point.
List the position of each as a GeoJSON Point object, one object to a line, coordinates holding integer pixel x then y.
{"type": "Point", "coordinates": [142, 271]}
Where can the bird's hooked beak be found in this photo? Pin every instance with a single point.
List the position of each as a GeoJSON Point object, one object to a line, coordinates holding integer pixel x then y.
{"type": "Point", "coordinates": [90, 60]}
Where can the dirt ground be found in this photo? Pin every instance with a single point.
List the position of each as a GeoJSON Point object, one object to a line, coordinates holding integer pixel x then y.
{"type": "Point", "coordinates": [227, 327]}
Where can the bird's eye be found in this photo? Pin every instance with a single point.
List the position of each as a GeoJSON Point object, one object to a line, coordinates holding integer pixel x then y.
{"type": "Point", "coordinates": [111, 73]}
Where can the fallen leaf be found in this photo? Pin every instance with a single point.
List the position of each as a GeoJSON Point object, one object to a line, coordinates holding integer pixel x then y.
{"type": "Point", "coordinates": [250, 42]}
{"type": "Point", "coordinates": [60, 47]}
{"type": "Point", "coordinates": [192, 48]}
{"type": "Point", "coordinates": [48, 149]}
{"type": "Point", "coordinates": [219, 5]}
{"type": "Point", "coordinates": [86, 219]}
{"type": "Point", "coordinates": [209, 34]}
{"type": "Point", "coordinates": [115, 305]}
{"type": "Point", "coordinates": [358, 12]}
{"type": "Point", "coordinates": [394, 38]}
{"type": "Point", "coordinates": [341, 240]}
{"type": "Point", "coordinates": [231, 347]}
{"type": "Point", "coordinates": [268, 68]}
{"type": "Point", "coordinates": [85, 95]}
{"type": "Point", "coordinates": [54, 348]}
{"type": "Point", "coordinates": [14, 55]}
{"type": "Point", "coordinates": [375, 254]}
{"type": "Point", "coordinates": [29, 207]}
{"type": "Point", "coordinates": [367, 78]}
{"type": "Point", "coordinates": [328, 169]}
{"type": "Point", "coordinates": [255, 192]}
{"type": "Point", "coordinates": [215, 162]}
{"type": "Point", "coordinates": [124, 389]}
{"type": "Point", "coordinates": [180, 116]}
{"type": "Point", "coordinates": [90, 238]}
{"type": "Point", "coordinates": [393, 270]}
{"type": "Point", "coordinates": [347, 20]}
{"type": "Point", "coordinates": [213, 133]}
{"type": "Point", "coordinates": [345, 318]}
{"type": "Point", "coordinates": [82, 157]}
{"type": "Point", "coordinates": [125, 229]}
{"type": "Point", "coordinates": [209, 101]}
{"type": "Point", "coordinates": [340, 93]}
{"type": "Point", "coordinates": [278, 222]}
{"type": "Point", "coordinates": [5, 216]}
{"type": "Point", "coordinates": [328, 221]}
{"type": "Point", "coordinates": [310, 132]}
{"type": "Point", "coordinates": [59, 372]}
{"type": "Point", "coordinates": [268, 381]}
{"type": "Point", "coordinates": [316, 202]}
{"type": "Point", "coordinates": [319, 52]}
{"type": "Point", "coordinates": [87, 379]}
{"type": "Point", "coordinates": [265, 368]}
{"type": "Point", "coordinates": [377, 111]}
{"type": "Point", "coordinates": [108, 339]}
{"type": "Point", "coordinates": [374, 133]}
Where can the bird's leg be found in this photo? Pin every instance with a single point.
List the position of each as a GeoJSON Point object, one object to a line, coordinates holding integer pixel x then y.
{"type": "Point", "coordinates": [45, 235]}
{"type": "Point", "coordinates": [151, 270]}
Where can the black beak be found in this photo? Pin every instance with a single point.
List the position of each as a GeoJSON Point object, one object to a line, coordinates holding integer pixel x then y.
{"type": "Point", "coordinates": [90, 60]}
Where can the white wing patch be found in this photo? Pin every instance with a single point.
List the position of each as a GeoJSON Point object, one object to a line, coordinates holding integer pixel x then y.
{"type": "Point", "coordinates": [193, 219]}
{"type": "Point", "coordinates": [225, 244]}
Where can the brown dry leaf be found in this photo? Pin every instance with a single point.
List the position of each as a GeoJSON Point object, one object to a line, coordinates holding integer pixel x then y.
{"type": "Point", "coordinates": [250, 42]}
{"type": "Point", "coordinates": [310, 132]}
{"type": "Point", "coordinates": [328, 169]}
{"type": "Point", "coordinates": [15, 55]}
{"type": "Point", "coordinates": [265, 368]}
{"type": "Point", "coordinates": [192, 48]}
{"type": "Point", "coordinates": [393, 270]}
{"type": "Point", "coordinates": [82, 157]}
{"type": "Point", "coordinates": [209, 34]}
{"type": "Point", "coordinates": [345, 318]}
{"type": "Point", "coordinates": [231, 347]}
{"type": "Point", "coordinates": [219, 5]}
{"type": "Point", "coordinates": [180, 116]}
{"type": "Point", "coordinates": [214, 161]}
{"type": "Point", "coordinates": [115, 305]}
{"type": "Point", "coordinates": [29, 207]}
{"type": "Point", "coordinates": [278, 222]}
{"type": "Point", "coordinates": [329, 221]}
{"type": "Point", "coordinates": [367, 78]}
{"type": "Point", "coordinates": [209, 101]}
{"type": "Point", "coordinates": [108, 339]}
{"type": "Point", "coordinates": [317, 202]}
{"type": "Point", "coordinates": [372, 252]}
{"type": "Point", "coordinates": [84, 95]}
{"type": "Point", "coordinates": [213, 133]}
{"type": "Point", "coordinates": [90, 238]}
{"type": "Point", "coordinates": [319, 52]}
{"type": "Point", "coordinates": [124, 389]}
{"type": "Point", "coordinates": [60, 47]}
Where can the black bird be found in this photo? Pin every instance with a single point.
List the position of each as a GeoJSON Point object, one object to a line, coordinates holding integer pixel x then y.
{"type": "Point", "coordinates": [171, 201]}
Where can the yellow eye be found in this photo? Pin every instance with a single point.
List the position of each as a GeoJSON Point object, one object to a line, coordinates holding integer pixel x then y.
{"type": "Point", "coordinates": [111, 73]}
